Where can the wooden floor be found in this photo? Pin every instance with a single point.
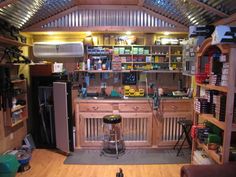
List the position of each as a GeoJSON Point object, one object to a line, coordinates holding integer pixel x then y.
{"type": "Point", "coordinates": [46, 163]}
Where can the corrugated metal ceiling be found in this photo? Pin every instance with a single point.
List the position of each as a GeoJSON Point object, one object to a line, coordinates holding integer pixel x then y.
{"type": "Point", "coordinates": [24, 13]}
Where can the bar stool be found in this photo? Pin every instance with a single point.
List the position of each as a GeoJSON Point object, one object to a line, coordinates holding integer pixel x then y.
{"type": "Point", "coordinates": [113, 144]}
{"type": "Point", "coordinates": [186, 127]}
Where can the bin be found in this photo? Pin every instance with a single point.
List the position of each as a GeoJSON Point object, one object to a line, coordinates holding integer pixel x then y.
{"type": "Point", "coordinates": [8, 165]}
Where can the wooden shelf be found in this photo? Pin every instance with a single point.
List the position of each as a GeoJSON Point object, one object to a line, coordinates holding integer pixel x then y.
{"type": "Point", "coordinates": [18, 107]}
{"type": "Point", "coordinates": [103, 71]}
{"type": "Point", "coordinates": [211, 153]}
{"type": "Point", "coordinates": [141, 54]}
{"type": "Point", "coordinates": [159, 54]}
{"type": "Point", "coordinates": [11, 42]}
{"type": "Point", "coordinates": [16, 123]}
{"type": "Point", "coordinates": [163, 71]}
{"type": "Point", "coordinates": [18, 81]}
{"type": "Point", "coordinates": [210, 118]}
{"type": "Point", "coordinates": [214, 87]}
{"type": "Point", "coordinates": [177, 55]}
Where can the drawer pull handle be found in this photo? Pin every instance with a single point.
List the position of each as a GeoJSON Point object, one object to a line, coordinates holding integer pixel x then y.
{"type": "Point", "coordinates": [173, 107]}
{"type": "Point", "coordinates": [136, 108]}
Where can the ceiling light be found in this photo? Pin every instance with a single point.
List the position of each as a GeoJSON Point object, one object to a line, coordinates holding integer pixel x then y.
{"type": "Point", "coordinates": [88, 33]}
{"type": "Point", "coordinates": [128, 32]}
{"type": "Point", "coordinates": [50, 33]}
{"type": "Point", "coordinates": [166, 33]}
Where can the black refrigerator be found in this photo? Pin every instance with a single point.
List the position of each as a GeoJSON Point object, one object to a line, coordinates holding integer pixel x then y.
{"type": "Point", "coordinates": [51, 112]}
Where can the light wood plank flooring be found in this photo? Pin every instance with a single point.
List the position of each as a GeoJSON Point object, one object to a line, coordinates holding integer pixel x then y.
{"type": "Point", "coordinates": [46, 163]}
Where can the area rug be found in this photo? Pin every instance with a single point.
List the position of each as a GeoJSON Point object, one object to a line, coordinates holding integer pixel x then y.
{"type": "Point", "coordinates": [146, 156]}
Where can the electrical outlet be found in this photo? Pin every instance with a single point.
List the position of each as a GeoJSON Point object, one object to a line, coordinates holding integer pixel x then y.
{"type": "Point", "coordinates": [11, 136]}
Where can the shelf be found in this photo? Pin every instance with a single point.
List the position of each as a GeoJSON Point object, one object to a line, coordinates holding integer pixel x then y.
{"type": "Point", "coordinates": [16, 123]}
{"type": "Point", "coordinates": [178, 55]}
{"type": "Point", "coordinates": [103, 71]}
{"type": "Point", "coordinates": [214, 87]}
{"type": "Point", "coordinates": [142, 54]}
{"type": "Point", "coordinates": [18, 107]}
{"type": "Point", "coordinates": [211, 153]}
{"type": "Point", "coordinates": [164, 55]}
{"type": "Point", "coordinates": [210, 118]}
{"type": "Point", "coordinates": [100, 54]}
{"type": "Point", "coordinates": [163, 71]}
{"type": "Point", "coordinates": [17, 81]}
{"type": "Point", "coordinates": [6, 41]}
{"type": "Point", "coordinates": [122, 54]}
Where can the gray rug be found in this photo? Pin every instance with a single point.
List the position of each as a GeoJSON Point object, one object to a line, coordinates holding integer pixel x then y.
{"type": "Point", "coordinates": [146, 156]}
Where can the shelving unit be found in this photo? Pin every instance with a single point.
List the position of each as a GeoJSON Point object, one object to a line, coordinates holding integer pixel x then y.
{"type": "Point", "coordinates": [156, 58]}
{"type": "Point", "coordinates": [10, 42]}
{"type": "Point", "coordinates": [228, 124]}
{"type": "Point", "coordinates": [19, 112]}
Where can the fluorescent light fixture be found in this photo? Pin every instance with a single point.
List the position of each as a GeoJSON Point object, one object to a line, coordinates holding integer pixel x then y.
{"type": "Point", "coordinates": [88, 33]}
{"type": "Point", "coordinates": [128, 32]}
{"type": "Point", "coordinates": [50, 33]}
{"type": "Point", "coordinates": [166, 33]}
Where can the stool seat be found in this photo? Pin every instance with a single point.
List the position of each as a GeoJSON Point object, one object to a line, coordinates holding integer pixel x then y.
{"type": "Point", "coordinates": [112, 119]}
{"type": "Point", "coordinates": [185, 122]}
{"type": "Point", "coordinates": [113, 143]}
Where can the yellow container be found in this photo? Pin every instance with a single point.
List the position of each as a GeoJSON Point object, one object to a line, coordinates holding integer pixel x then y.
{"type": "Point", "coordinates": [127, 87]}
{"type": "Point", "coordinates": [131, 90]}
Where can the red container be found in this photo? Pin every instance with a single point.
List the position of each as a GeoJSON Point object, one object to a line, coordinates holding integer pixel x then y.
{"type": "Point", "coordinates": [200, 77]}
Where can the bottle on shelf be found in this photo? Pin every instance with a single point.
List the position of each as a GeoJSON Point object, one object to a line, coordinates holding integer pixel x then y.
{"type": "Point", "coordinates": [99, 67]}
{"type": "Point", "coordinates": [88, 64]}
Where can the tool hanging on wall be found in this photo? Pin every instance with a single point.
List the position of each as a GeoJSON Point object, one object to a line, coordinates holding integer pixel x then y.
{"type": "Point", "coordinates": [14, 55]}
{"type": "Point", "coordinates": [6, 88]}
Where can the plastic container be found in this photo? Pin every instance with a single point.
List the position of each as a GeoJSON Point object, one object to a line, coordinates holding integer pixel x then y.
{"type": "Point", "coordinates": [8, 165]}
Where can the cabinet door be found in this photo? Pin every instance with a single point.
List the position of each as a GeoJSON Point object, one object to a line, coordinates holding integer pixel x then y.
{"type": "Point", "coordinates": [61, 116]}
{"type": "Point", "coordinates": [170, 129]}
{"type": "Point", "coordinates": [137, 129]}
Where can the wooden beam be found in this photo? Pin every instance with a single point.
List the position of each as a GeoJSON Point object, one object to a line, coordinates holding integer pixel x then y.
{"type": "Point", "coordinates": [177, 24]}
{"type": "Point", "coordinates": [226, 21]}
{"type": "Point", "coordinates": [209, 8]}
{"type": "Point", "coordinates": [108, 29]}
{"type": "Point", "coordinates": [7, 2]}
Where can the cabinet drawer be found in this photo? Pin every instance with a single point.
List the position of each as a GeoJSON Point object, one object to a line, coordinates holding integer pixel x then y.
{"type": "Point", "coordinates": [176, 106]}
{"type": "Point", "coordinates": [87, 107]}
{"type": "Point", "coordinates": [145, 107]}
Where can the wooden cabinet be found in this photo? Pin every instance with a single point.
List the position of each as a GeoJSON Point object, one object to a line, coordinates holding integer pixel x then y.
{"type": "Point", "coordinates": [219, 95]}
{"type": "Point", "coordinates": [171, 111]}
{"type": "Point", "coordinates": [141, 127]}
{"type": "Point", "coordinates": [19, 111]}
{"type": "Point", "coordinates": [136, 121]}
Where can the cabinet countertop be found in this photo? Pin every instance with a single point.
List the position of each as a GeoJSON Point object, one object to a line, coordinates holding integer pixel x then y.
{"type": "Point", "coordinates": [102, 99]}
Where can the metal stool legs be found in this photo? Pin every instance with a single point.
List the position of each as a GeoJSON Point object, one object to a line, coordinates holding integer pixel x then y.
{"type": "Point", "coordinates": [186, 127]}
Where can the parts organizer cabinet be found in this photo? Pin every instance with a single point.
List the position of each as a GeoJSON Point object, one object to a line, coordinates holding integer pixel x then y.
{"type": "Point", "coordinates": [19, 112]}
{"type": "Point", "coordinates": [212, 53]}
{"type": "Point", "coordinates": [136, 121]}
{"type": "Point", "coordinates": [158, 58]}
{"type": "Point", "coordinates": [171, 111]}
